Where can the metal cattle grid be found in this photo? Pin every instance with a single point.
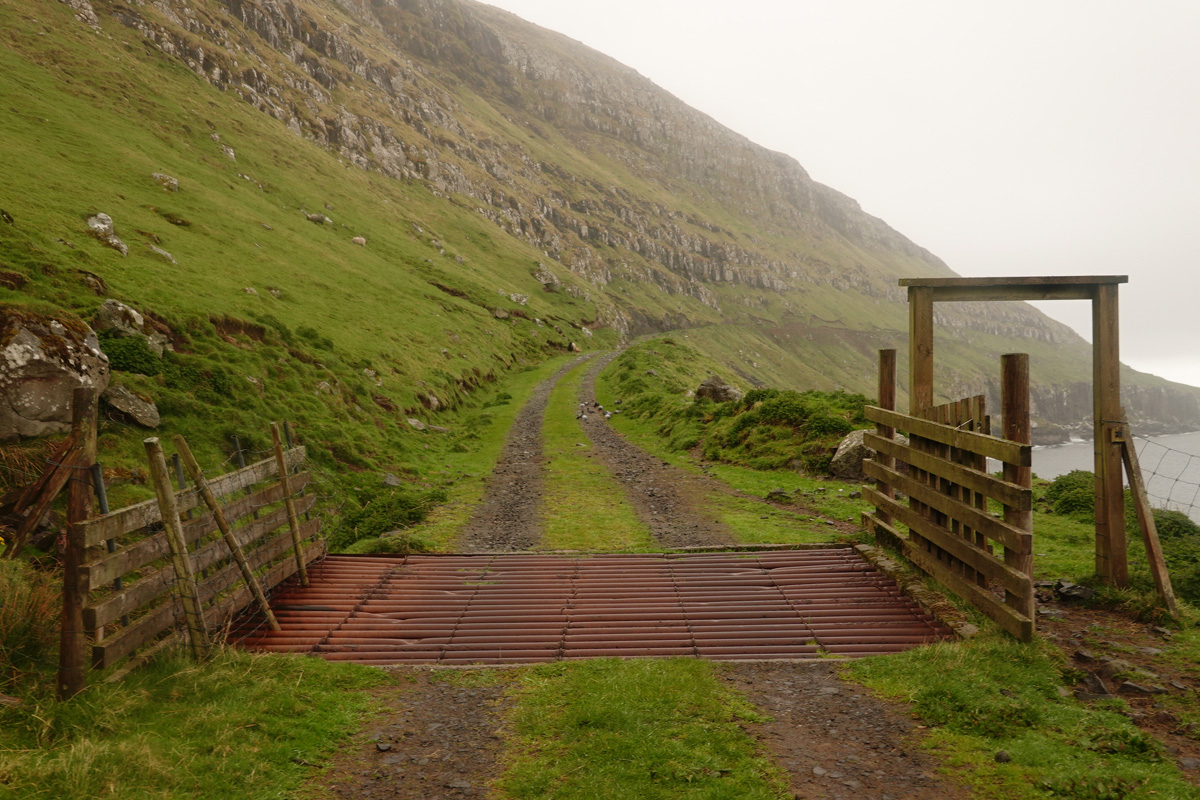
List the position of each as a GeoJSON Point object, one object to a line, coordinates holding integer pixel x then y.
{"type": "Point", "coordinates": [494, 609]}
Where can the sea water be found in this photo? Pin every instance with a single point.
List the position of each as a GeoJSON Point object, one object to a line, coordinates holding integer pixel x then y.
{"type": "Point", "coordinates": [1170, 467]}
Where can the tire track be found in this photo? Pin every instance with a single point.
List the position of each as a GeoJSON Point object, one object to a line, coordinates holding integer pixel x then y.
{"type": "Point", "coordinates": [508, 517]}
{"type": "Point", "coordinates": [667, 499]}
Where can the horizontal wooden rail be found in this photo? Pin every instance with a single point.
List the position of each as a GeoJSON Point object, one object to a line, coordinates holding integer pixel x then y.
{"type": "Point", "coordinates": [1012, 621]}
{"type": "Point", "coordinates": [1008, 493]}
{"type": "Point", "coordinates": [958, 547]}
{"type": "Point", "coordinates": [1020, 455]}
{"type": "Point", "coordinates": [162, 617]}
{"type": "Point", "coordinates": [126, 520]}
{"type": "Point", "coordinates": [134, 556]}
{"type": "Point", "coordinates": [974, 518]}
{"type": "Point", "coordinates": [149, 587]}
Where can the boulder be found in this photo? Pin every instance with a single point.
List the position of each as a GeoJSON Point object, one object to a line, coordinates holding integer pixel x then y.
{"type": "Point", "coordinates": [847, 461]}
{"type": "Point", "coordinates": [718, 390]}
{"type": "Point", "coordinates": [124, 321]}
{"type": "Point", "coordinates": [139, 409]}
{"type": "Point", "coordinates": [119, 318]}
{"type": "Point", "coordinates": [168, 183]}
{"type": "Point", "coordinates": [101, 226]}
{"type": "Point", "coordinates": [42, 361]}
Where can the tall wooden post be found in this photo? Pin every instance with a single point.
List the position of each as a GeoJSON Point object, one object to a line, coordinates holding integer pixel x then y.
{"type": "Point", "coordinates": [920, 344]}
{"type": "Point", "coordinates": [72, 658]}
{"type": "Point", "coordinates": [293, 522]}
{"type": "Point", "coordinates": [1014, 390]}
{"type": "Point", "coordinates": [887, 401]}
{"type": "Point", "coordinates": [185, 580]}
{"type": "Point", "coordinates": [1111, 558]}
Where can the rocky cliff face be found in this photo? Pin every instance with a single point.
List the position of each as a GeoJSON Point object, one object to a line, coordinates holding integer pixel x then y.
{"type": "Point", "coordinates": [562, 147]}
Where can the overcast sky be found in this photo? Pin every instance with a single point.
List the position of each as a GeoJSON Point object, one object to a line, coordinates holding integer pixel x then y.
{"type": "Point", "coordinates": [1021, 138]}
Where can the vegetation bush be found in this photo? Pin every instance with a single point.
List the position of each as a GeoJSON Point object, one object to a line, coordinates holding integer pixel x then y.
{"type": "Point", "coordinates": [129, 354]}
{"type": "Point", "coordinates": [382, 510]}
{"type": "Point", "coordinates": [29, 605]}
{"type": "Point", "coordinates": [768, 428]}
{"type": "Point", "coordinates": [1073, 495]}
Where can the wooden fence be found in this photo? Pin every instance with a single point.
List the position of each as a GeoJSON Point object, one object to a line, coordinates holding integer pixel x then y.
{"type": "Point", "coordinates": [942, 471]}
{"type": "Point", "coordinates": [130, 590]}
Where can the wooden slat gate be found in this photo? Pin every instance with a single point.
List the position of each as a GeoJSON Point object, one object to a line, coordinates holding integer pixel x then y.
{"type": "Point", "coordinates": [951, 530]}
{"type": "Point", "coordinates": [127, 590]}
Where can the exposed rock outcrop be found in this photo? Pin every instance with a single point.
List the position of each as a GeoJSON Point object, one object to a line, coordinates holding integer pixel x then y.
{"type": "Point", "coordinates": [717, 390]}
{"type": "Point", "coordinates": [42, 361]}
{"type": "Point", "coordinates": [847, 461]}
{"type": "Point", "coordinates": [139, 409]}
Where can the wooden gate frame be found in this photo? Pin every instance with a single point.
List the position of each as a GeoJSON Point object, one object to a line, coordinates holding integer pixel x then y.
{"type": "Point", "coordinates": [1111, 561]}
{"type": "Point", "coordinates": [942, 470]}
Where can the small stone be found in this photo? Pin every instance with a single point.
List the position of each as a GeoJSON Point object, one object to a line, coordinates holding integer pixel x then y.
{"type": "Point", "coordinates": [1180, 686]}
{"type": "Point", "coordinates": [458, 785]}
{"type": "Point", "coordinates": [819, 772]}
{"type": "Point", "coordinates": [1002, 757]}
{"type": "Point", "coordinates": [1129, 687]}
{"type": "Point", "coordinates": [383, 747]}
{"type": "Point", "coordinates": [1189, 764]}
{"type": "Point", "coordinates": [1086, 656]}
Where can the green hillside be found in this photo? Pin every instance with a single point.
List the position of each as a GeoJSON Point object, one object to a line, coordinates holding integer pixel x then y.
{"type": "Point", "coordinates": [517, 192]}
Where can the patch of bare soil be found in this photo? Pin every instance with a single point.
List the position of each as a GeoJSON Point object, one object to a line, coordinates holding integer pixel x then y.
{"type": "Point", "coordinates": [1116, 656]}
{"type": "Point", "coordinates": [666, 498]}
{"type": "Point", "coordinates": [835, 740]}
{"type": "Point", "coordinates": [508, 517]}
{"type": "Point", "coordinates": [433, 739]}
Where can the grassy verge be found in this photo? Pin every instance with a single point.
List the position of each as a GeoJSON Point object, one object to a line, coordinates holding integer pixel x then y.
{"type": "Point", "coordinates": [751, 521]}
{"type": "Point", "coordinates": [993, 695]}
{"type": "Point", "coordinates": [583, 506]}
{"type": "Point", "coordinates": [246, 726]}
{"type": "Point", "coordinates": [462, 461]}
{"type": "Point", "coordinates": [644, 729]}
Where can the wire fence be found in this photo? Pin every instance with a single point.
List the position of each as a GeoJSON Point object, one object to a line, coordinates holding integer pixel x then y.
{"type": "Point", "coordinates": [1172, 476]}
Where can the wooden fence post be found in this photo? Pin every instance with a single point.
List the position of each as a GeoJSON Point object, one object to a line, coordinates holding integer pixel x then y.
{"type": "Point", "coordinates": [1014, 391]}
{"type": "Point", "coordinates": [887, 401]}
{"type": "Point", "coordinates": [72, 659]}
{"type": "Point", "coordinates": [231, 542]}
{"type": "Point", "coordinates": [293, 522]}
{"type": "Point", "coordinates": [1145, 515]}
{"type": "Point", "coordinates": [190, 597]}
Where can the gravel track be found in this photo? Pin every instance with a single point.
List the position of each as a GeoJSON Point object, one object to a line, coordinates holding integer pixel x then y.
{"type": "Point", "coordinates": [508, 517]}
{"type": "Point", "coordinates": [439, 738]}
{"type": "Point", "coordinates": [667, 499]}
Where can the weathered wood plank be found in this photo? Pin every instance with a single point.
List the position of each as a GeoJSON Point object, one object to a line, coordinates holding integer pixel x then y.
{"type": "Point", "coordinates": [236, 510]}
{"type": "Point", "coordinates": [1008, 493]}
{"type": "Point", "coordinates": [1019, 626]}
{"type": "Point", "coordinates": [990, 446]}
{"type": "Point", "coordinates": [107, 566]}
{"type": "Point", "coordinates": [150, 627]}
{"type": "Point", "coordinates": [125, 520]}
{"type": "Point", "coordinates": [151, 586]}
{"type": "Point", "coordinates": [974, 518]}
{"type": "Point", "coordinates": [230, 606]}
{"type": "Point", "coordinates": [1041, 287]}
{"type": "Point", "coordinates": [964, 551]}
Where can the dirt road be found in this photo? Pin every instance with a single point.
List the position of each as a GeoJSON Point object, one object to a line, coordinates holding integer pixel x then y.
{"type": "Point", "coordinates": [438, 738]}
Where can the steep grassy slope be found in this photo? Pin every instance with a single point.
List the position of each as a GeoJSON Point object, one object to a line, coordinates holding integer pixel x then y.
{"type": "Point", "coordinates": [345, 339]}
{"type": "Point", "coordinates": [517, 193]}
